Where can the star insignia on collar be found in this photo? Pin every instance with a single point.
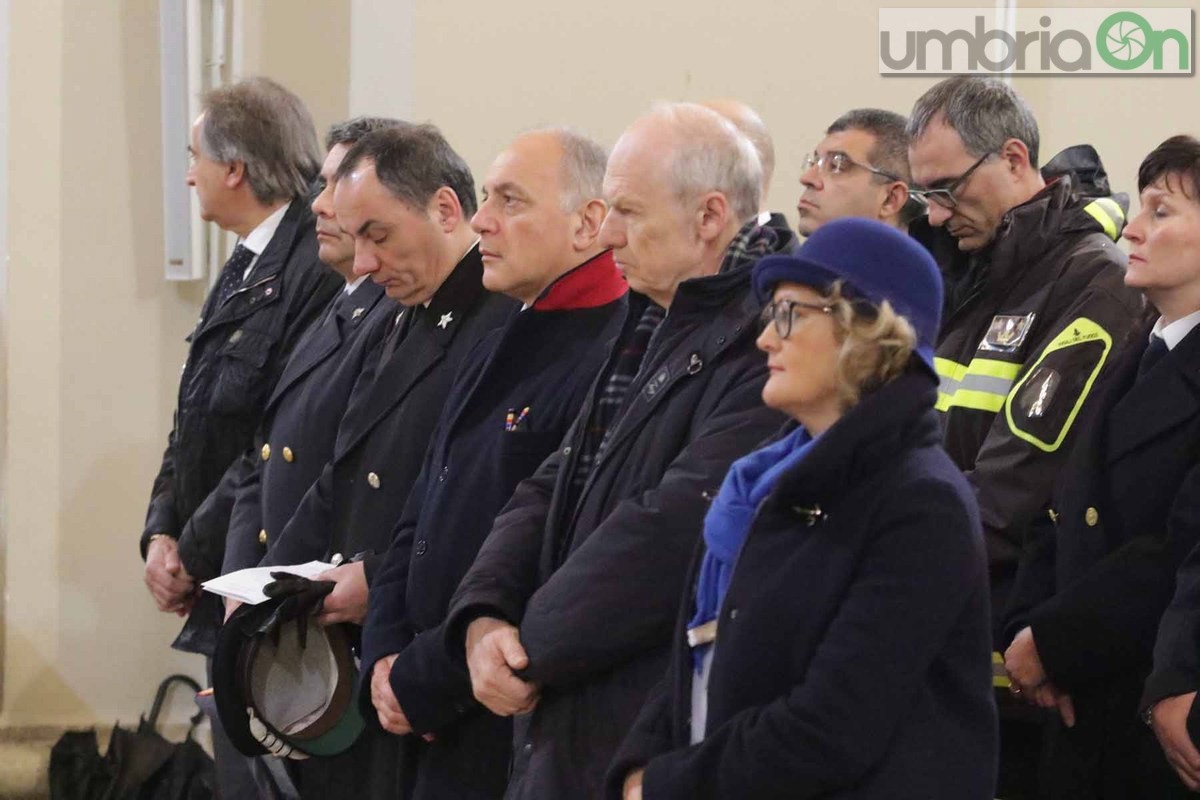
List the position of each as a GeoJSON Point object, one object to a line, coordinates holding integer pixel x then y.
{"type": "Point", "coordinates": [445, 319]}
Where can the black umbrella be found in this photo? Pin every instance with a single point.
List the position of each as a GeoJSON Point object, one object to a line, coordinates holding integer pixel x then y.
{"type": "Point", "coordinates": [139, 764]}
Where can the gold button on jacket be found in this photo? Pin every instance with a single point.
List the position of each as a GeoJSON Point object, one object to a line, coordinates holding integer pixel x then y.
{"type": "Point", "coordinates": [1091, 516]}
{"type": "Point", "coordinates": [262, 536]}
{"type": "Point", "coordinates": [373, 480]}
{"type": "Point", "coordinates": [288, 455]}
{"type": "Point", "coordinates": [266, 452]}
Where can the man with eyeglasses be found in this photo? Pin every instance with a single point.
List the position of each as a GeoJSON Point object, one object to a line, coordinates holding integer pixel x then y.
{"type": "Point", "coordinates": [1036, 310]}
{"type": "Point", "coordinates": [860, 169]}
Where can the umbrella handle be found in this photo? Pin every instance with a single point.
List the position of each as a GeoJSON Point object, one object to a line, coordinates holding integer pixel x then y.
{"type": "Point", "coordinates": [161, 694]}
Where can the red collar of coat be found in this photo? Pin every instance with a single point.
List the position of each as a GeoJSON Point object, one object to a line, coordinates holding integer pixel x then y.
{"type": "Point", "coordinates": [595, 282]}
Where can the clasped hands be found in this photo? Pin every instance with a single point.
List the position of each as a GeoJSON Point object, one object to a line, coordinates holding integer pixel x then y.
{"type": "Point", "coordinates": [173, 589]}
{"type": "Point", "coordinates": [494, 652]}
{"type": "Point", "coordinates": [1029, 680]}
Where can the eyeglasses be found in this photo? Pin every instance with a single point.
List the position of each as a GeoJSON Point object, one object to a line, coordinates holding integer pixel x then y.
{"type": "Point", "coordinates": [836, 163]}
{"type": "Point", "coordinates": [947, 196]}
{"type": "Point", "coordinates": [785, 312]}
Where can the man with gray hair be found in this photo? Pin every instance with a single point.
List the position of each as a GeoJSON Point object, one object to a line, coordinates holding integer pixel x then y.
{"type": "Point", "coordinates": [1036, 309]}
{"type": "Point", "coordinates": [568, 609]}
{"type": "Point", "coordinates": [254, 155]}
{"type": "Point", "coordinates": [860, 169]}
{"type": "Point", "coordinates": [510, 406]}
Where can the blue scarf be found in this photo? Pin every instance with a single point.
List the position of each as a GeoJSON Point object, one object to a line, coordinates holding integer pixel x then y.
{"type": "Point", "coordinates": [749, 481]}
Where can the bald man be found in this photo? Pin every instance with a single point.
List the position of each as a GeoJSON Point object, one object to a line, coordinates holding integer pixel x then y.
{"type": "Point", "coordinates": [751, 126]}
{"type": "Point", "coordinates": [510, 406]}
{"type": "Point", "coordinates": [568, 609]}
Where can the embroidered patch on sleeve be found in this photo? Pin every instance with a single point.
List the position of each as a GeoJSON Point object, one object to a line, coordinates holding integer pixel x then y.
{"type": "Point", "coordinates": [1043, 405]}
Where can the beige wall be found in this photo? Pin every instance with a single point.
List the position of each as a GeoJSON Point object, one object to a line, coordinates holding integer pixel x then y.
{"type": "Point", "coordinates": [485, 75]}
{"type": "Point", "coordinates": [94, 342]}
{"type": "Point", "coordinates": [92, 334]}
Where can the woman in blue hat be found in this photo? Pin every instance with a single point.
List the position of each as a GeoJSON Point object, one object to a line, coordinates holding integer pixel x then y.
{"type": "Point", "coordinates": [836, 640]}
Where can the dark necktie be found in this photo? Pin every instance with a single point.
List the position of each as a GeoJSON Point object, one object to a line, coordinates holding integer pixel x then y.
{"type": "Point", "coordinates": [233, 273]}
{"type": "Point", "coordinates": [400, 328]}
{"type": "Point", "coordinates": [1153, 354]}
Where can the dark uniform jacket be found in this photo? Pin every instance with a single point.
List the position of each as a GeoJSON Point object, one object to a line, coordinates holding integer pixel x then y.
{"type": "Point", "coordinates": [301, 420]}
{"type": "Point", "coordinates": [257, 495]}
{"type": "Point", "coordinates": [1101, 570]}
{"type": "Point", "coordinates": [853, 653]}
{"type": "Point", "coordinates": [354, 506]}
{"type": "Point", "coordinates": [237, 352]}
{"type": "Point", "coordinates": [543, 360]}
{"type": "Point", "coordinates": [1020, 353]}
{"type": "Point", "coordinates": [594, 585]}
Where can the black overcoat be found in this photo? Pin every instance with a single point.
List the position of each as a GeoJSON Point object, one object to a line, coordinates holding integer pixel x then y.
{"type": "Point", "coordinates": [545, 359]}
{"type": "Point", "coordinates": [353, 508]}
{"type": "Point", "coordinates": [301, 420]}
{"type": "Point", "coordinates": [1100, 570]}
{"type": "Point", "coordinates": [853, 652]}
{"type": "Point", "coordinates": [594, 586]}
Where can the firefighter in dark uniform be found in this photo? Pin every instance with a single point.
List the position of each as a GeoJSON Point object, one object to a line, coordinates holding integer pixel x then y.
{"type": "Point", "coordinates": [1036, 309]}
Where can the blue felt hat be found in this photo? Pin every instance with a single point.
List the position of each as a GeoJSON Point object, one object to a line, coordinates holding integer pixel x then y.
{"type": "Point", "coordinates": [875, 262]}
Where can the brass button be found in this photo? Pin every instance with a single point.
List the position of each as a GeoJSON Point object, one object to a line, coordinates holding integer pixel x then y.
{"type": "Point", "coordinates": [373, 480]}
{"type": "Point", "coordinates": [288, 455]}
{"type": "Point", "coordinates": [266, 452]}
{"type": "Point", "coordinates": [262, 536]}
{"type": "Point", "coordinates": [1091, 517]}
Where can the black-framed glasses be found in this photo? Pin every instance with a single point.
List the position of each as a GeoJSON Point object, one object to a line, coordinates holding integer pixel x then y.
{"type": "Point", "coordinates": [947, 196]}
{"type": "Point", "coordinates": [785, 312]}
{"type": "Point", "coordinates": [837, 162]}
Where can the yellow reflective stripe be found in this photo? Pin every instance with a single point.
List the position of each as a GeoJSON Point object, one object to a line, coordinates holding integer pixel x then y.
{"type": "Point", "coordinates": [966, 398]}
{"type": "Point", "coordinates": [1000, 679]}
{"type": "Point", "coordinates": [982, 385]}
{"type": "Point", "coordinates": [1080, 331]}
{"type": "Point", "coordinates": [949, 369]}
{"type": "Point", "coordinates": [1108, 213]}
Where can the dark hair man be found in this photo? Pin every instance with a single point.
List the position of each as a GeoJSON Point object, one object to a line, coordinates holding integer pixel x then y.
{"type": "Point", "coordinates": [860, 169]}
{"type": "Point", "coordinates": [405, 197]}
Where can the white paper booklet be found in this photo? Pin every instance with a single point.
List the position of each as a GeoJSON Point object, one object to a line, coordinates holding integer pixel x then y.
{"type": "Point", "coordinates": [246, 585]}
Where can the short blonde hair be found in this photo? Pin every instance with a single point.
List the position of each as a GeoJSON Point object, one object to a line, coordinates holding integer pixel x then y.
{"type": "Point", "coordinates": [877, 344]}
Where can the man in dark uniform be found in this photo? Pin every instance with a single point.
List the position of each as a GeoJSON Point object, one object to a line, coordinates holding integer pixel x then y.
{"type": "Point", "coordinates": [302, 414]}
{"type": "Point", "coordinates": [406, 197]}
{"type": "Point", "coordinates": [510, 407]}
{"type": "Point", "coordinates": [570, 602]}
{"type": "Point", "coordinates": [1036, 310]}
{"type": "Point", "coordinates": [254, 154]}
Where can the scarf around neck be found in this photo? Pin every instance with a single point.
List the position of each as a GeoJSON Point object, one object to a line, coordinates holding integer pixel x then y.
{"type": "Point", "coordinates": [748, 482]}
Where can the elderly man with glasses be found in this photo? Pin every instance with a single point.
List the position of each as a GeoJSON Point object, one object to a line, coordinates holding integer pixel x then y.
{"type": "Point", "coordinates": [1035, 311]}
{"type": "Point", "coordinates": [860, 169]}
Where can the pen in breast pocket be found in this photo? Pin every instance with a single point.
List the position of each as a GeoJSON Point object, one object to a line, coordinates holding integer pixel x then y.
{"type": "Point", "coordinates": [514, 421]}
